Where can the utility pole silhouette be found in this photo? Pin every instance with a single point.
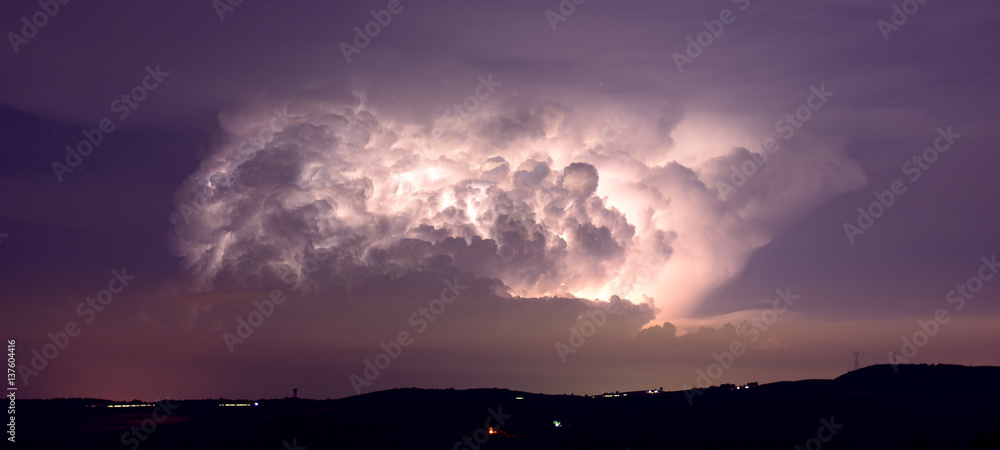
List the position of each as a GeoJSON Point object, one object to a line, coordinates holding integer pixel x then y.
{"type": "Point", "coordinates": [295, 393]}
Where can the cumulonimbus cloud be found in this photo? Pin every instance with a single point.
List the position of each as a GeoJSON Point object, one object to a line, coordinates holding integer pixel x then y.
{"type": "Point", "coordinates": [536, 196]}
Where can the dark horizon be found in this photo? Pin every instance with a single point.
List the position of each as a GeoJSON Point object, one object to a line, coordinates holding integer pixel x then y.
{"type": "Point", "coordinates": [702, 388]}
{"type": "Point", "coordinates": [885, 406]}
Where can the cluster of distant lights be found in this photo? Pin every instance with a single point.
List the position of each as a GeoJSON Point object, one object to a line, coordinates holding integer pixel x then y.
{"type": "Point", "coordinates": [149, 405]}
{"type": "Point", "coordinates": [650, 391]}
{"type": "Point", "coordinates": [556, 423]}
{"type": "Point", "coordinates": [657, 391]}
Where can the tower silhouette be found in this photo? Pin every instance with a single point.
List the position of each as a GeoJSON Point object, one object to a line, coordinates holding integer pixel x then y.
{"type": "Point", "coordinates": [856, 364]}
{"type": "Point", "coordinates": [295, 393]}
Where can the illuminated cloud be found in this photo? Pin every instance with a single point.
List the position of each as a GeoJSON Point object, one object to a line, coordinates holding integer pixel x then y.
{"type": "Point", "coordinates": [527, 194]}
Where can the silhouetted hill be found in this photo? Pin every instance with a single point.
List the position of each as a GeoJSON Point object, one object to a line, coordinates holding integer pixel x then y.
{"type": "Point", "coordinates": [919, 376]}
{"type": "Point", "coordinates": [919, 406]}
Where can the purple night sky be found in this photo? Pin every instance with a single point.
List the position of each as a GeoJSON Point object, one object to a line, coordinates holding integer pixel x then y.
{"type": "Point", "coordinates": [202, 200]}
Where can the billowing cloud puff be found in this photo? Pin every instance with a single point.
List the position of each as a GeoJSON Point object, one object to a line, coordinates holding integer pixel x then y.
{"type": "Point", "coordinates": [579, 180]}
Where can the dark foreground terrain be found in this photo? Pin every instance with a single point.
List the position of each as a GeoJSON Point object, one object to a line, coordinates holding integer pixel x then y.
{"type": "Point", "coordinates": [921, 406]}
